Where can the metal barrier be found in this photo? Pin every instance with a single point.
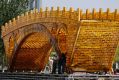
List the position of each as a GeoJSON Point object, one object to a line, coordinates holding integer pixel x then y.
{"type": "Point", "coordinates": [39, 76]}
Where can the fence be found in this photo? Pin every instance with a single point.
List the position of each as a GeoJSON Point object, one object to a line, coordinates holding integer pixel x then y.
{"type": "Point", "coordinates": [39, 76]}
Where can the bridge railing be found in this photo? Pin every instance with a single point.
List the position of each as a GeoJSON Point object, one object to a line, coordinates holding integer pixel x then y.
{"type": "Point", "coordinates": [100, 15]}
{"type": "Point", "coordinates": [35, 16]}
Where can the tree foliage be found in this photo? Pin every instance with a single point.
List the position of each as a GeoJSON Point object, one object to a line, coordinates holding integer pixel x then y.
{"type": "Point", "coordinates": [117, 54]}
{"type": "Point", "coordinates": [8, 10]}
{"type": "Point", "coordinates": [11, 8]}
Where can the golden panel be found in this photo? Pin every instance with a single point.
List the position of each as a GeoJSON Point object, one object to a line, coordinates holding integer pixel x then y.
{"type": "Point", "coordinates": [96, 46]}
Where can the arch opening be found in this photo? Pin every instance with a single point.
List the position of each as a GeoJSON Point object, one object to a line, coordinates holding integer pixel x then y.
{"type": "Point", "coordinates": [32, 51]}
{"type": "Point", "coordinates": [35, 48]}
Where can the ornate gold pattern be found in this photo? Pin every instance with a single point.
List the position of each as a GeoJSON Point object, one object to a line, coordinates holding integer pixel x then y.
{"type": "Point", "coordinates": [90, 39]}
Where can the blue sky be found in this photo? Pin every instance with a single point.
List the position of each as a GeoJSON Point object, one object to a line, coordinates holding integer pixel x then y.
{"type": "Point", "coordinates": [83, 4]}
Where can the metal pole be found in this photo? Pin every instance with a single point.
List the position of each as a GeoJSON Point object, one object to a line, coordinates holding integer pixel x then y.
{"type": "Point", "coordinates": [40, 3]}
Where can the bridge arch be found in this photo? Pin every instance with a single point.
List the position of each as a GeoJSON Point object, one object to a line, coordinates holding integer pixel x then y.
{"type": "Point", "coordinates": [26, 50]}
{"type": "Point", "coordinates": [42, 30]}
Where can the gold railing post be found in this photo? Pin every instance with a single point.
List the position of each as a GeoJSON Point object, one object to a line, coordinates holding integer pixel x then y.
{"type": "Point", "coordinates": [64, 12]}
{"type": "Point", "coordinates": [41, 12]}
{"type": "Point", "coordinates": [6, 27]}
{"type": "Point", "coordinates": [87, 13]}
{"type": "Point", "coordinates": [94, 13]}
{"type": "Point", "coordinates": [100, 13]}
{"type": "Point", "coordinates": [52, 12]}
{"type": "Point", "coordinates": [26, 16]}
{"type": "Point", "coordinates": [115, 14]}
{"type": "Point", "coordinates": [81, 14]}
{"type": "Point", "coordinates": [78, 12]}
{"type": "Point", "coordinates": [36, 15]}
{"type": "Point", "coordinates": [46, 12]}
{"type": "Point", "coordinates": [14, 22]}
{"type": "Point", "coordinates": [58, 11]}
{"type": "Point", "coordinates": [71, 13]}
{"type": "Point", "coordinates": [108, 11]}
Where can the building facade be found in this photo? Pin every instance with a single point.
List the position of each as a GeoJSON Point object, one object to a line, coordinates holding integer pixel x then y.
{"type": "Point", "coordinates": [35, 4]}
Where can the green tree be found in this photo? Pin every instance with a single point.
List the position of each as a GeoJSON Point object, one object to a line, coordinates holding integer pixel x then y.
{"type": "Point", "coordinates": [12, 8]}
{"type": "Point", "coordinates": [8, 10]}
{"type": "Point", "coordinates": [117, 55]}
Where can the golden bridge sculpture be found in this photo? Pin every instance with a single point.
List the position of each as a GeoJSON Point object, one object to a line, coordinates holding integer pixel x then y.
{"type": "Point", "coordinates": [90, 39]}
